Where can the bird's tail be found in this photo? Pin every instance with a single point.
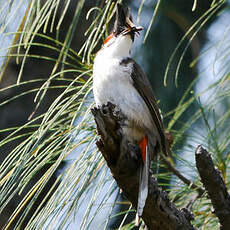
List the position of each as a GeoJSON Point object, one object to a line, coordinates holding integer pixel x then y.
{"type": "Point", "coordinates": [143, 181]}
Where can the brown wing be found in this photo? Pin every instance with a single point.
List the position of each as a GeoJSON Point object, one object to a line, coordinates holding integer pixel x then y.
{"type": "Point", "coordinates": [143, 86]}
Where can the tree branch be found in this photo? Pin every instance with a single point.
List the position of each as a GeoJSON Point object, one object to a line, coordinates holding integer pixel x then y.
{"type": "Point", "coordinates": [214, 184]}
{"type": "Point", "coordinates": [123, 159]}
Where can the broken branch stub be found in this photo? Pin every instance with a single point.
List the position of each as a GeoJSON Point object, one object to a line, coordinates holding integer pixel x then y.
{"type": "Point", "coordinates": [215, 186]}
{"type": "Point", "coordinates": [123, 158]}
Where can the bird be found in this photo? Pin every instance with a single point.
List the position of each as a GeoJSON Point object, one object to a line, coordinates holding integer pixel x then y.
{"type": "Point", "coordinates": [118, 79]}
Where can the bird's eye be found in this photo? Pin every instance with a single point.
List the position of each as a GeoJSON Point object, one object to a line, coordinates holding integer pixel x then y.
{"type": "Point", "coordinates": [108, 38]}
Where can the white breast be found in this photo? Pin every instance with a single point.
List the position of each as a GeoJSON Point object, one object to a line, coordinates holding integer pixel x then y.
{"type": "Point", "coordinates": [112, 83]}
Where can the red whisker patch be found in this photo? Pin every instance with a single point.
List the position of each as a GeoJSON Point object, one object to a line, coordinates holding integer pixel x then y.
{"type": "Point", "coordinates": [108, 38]}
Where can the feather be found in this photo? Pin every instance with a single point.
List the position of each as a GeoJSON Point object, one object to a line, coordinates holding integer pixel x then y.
{"type": "Point", "coordinates": [143, 87]}
{"type": "Point", "coordinates": [143, 184]}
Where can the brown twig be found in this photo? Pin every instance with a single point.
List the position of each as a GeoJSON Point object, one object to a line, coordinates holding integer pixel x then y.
{"type": "Point", "coordinates": [180, 176]}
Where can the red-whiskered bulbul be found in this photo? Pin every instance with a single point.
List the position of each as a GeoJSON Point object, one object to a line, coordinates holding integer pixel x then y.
{"type": "Point", "coordinates": [119, 79]}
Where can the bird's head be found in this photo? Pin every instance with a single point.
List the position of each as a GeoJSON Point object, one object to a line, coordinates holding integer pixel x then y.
{"type": "Point", "coordinates": [124, 31]}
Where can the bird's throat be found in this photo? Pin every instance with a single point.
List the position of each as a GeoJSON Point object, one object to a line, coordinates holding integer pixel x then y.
{"type": "Point", "coordinates": [120, 47]}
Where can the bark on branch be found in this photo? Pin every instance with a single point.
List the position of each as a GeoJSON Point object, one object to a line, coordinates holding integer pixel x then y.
{"type": "Point", "coordinates": [215, 186]}
{"type": "Point", "coordinates": [123, 159]}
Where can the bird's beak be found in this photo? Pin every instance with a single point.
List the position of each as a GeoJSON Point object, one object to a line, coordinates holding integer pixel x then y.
{"type": "Point", "coordinates": [123, 24]}
{"type": "Point", "coordinates": [132, 27]}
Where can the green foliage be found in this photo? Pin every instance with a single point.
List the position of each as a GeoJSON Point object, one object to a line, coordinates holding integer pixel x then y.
{"type": "Point", "coordinates": [67, 126]}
